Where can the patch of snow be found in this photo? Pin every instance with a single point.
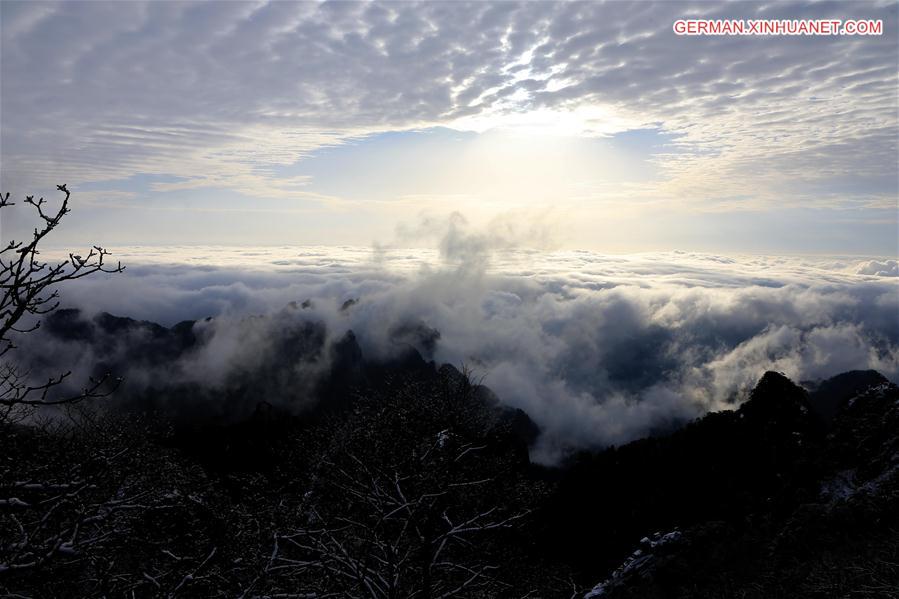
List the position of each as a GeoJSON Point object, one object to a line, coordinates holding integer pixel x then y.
{"type": "Point", "coordinates": [442, 437]}
{"type": "Point", "coordinates": [874, 485]}
{"type": "Point", "coordinates": [840, 487]}
{"type": "Point", "coordinates": [636, 561]}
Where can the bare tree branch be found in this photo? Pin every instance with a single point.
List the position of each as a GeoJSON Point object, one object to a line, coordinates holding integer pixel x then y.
{"type": "Point", "coordinates": [30, 290]}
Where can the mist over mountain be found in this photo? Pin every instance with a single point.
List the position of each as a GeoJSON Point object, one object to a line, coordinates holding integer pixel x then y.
{"type": "Point", "coordinates": [785, 495]}
{"type": "Point", "coordinates": [483, 421]}
{"type": "Point", "coordinates": [596, 349]}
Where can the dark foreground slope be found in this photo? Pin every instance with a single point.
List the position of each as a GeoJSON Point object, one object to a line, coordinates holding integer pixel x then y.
{"type": "Point", "coordinates": [788, 496]}
{"type": "Point", "coordinates": [404, 479]}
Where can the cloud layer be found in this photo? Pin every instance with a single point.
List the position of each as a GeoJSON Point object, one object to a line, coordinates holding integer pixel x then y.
{"type": "Point", "coordinates": [597, 349]}
{"type": "Point", "coordinates": [219, 96]}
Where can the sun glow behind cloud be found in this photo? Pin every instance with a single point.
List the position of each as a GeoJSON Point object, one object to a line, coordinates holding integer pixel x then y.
{"type": "Point", "coordinates": [578, 121]}
{"type": "Point", "coordinates": [233, 111]}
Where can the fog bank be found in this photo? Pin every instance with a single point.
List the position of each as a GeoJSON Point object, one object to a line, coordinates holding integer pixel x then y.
{"type": "Point", "coordinates": [597, 349]}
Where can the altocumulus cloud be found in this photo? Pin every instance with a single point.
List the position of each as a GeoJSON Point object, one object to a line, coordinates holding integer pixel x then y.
{"type": "Point", "coordinates": [219, 94]}
{"type": "Point", "coordinates": [597, 349]}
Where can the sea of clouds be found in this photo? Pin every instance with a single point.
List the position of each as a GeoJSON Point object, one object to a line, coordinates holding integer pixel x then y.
{"type": "Point", "coordinates": [598, 349]}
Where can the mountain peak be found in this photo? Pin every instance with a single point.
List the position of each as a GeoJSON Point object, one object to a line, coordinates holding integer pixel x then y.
{"type": "Point", "coordinates": [776, 398]}
{"type": "Point", "coordinates": [828, 396]}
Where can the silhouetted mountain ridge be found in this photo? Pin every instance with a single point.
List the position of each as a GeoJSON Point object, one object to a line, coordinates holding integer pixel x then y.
{"type": "Point", "coordinates": [793, 493]}
{"type": "Point", "coordinates": [772, 500]}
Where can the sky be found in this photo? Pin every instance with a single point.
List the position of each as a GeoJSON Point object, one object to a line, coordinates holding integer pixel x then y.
{"type": "Point", "coordinates": [563, 125]}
